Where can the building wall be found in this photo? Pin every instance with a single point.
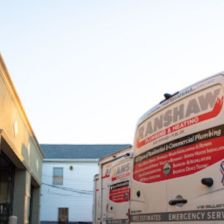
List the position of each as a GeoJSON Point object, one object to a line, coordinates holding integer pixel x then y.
{"type": "Point", "coordinates": [16, 129]}
{"type": "Point", "coordinates": [80, 178]}
{"type": "Point", "coordinates": [19, 144]}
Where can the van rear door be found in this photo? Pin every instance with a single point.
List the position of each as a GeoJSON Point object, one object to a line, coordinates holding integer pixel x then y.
{"type": "Point", "coordinates": [178, 173]}
{"type": "Point", "coordinates": [196, 194]}
{"type": "Point", "coordinates": [195, 158]}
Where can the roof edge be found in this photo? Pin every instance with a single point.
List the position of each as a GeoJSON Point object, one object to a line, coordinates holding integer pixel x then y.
{"type": "Point", "coordinates": [70, 160]}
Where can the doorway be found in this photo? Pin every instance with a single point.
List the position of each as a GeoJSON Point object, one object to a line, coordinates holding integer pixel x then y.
{"type": "Point", "coordinates": [63, 215]}
{"type": "Point", "coordinates": [7, 172]}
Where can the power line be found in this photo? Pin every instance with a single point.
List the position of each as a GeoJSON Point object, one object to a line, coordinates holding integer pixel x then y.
{"type": "Point", "coordinates": [85, 192]}
{"type": "Point", "coordinates": [72, 179]}
{"type": "Point", "coordinates": [66, 195]}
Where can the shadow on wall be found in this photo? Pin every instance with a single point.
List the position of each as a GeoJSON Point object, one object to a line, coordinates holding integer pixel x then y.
{"type": "Point", "coordinates": [30, 157]}
{"type": "Point", "coordinates": [26, 158]}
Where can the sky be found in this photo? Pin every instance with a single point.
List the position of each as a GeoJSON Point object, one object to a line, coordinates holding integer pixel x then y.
{"type": "Point", "coordinates": [86, 71]}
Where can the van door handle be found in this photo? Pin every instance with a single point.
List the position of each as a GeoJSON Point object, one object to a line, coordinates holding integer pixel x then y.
{"type": "Point", "coordinates": [178, 201]}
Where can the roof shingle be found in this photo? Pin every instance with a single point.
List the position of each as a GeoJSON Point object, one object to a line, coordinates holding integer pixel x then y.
{"type": "Point", "coordinates": [64, 151]}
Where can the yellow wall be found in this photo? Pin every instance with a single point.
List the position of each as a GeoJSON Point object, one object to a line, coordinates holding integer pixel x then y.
{"type": "Point", "coordinates": [15, 125]}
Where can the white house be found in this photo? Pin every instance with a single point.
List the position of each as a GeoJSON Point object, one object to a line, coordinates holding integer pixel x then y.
{"type": "Point", "coordinates": [67, 181]}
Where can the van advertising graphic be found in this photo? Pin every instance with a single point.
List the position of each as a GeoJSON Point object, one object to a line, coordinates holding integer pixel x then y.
{"type": "Point", "coordinates": [195, 109]}
{"type": "Point", "coordinates": [184, 216]}
{"type": "Point", "coordinates": [119, 192]}
{"type": "Point", "coordinates": [106, 171]}
{"type": "Point", "coordinates": [180, 157]}
{"type": "Point", "coordinates": [121, 171]}
{"type": "Point", "coordinates": [178, 164]}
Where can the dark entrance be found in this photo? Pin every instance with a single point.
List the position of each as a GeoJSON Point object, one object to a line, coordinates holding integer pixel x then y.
{"type": "Point", "coordinates": [63, 215]}
{"type": "Point", "coordinates": [31, 204]}
{"type": "Point", "coordinates": [7, 171]}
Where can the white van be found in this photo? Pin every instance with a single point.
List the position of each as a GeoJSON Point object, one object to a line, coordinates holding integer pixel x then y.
{"type": "Point", "coordinates": [178, 166]}
{"type": "Point", "coordinates": [96, 200]}
{"type": "Point", "coordinates": [115, 171]}
{"type": "Point", "coordinates": [119, 193]}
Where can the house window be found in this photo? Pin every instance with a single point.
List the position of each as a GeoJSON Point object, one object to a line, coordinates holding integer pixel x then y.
{"type": "Point", "coordinates": [58, 175]}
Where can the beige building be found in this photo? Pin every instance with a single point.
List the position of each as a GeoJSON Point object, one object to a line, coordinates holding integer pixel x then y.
{"type": "Point", "coordinates": [20, 158]}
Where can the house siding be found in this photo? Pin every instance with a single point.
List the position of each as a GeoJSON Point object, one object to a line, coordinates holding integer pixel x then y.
{"type": "Point", "coordinates": [68, 195]}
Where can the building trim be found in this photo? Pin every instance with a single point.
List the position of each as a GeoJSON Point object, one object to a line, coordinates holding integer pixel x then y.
{"type": "Point", "coordinates": [18, 102]}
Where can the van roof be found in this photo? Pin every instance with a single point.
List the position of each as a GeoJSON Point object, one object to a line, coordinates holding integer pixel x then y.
{"type": "Point", "coordinates": [116, 155]}
{"type": "Point", "coordinates": [176, 96]}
